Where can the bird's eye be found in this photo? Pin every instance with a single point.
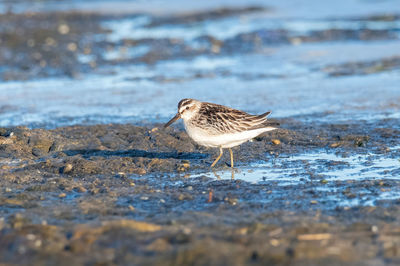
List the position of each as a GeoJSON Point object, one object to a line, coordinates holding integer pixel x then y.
{"type": "Point", "coordinates": [187, 108]}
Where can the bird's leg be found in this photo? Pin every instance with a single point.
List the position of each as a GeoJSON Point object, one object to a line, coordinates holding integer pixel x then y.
{"type": "Point", "coordinates": [219, 157]}
{"type": "Point", "coordinates": [230, 151]}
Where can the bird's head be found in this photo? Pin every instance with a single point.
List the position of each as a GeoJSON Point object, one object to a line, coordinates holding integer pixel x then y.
{"type": "Point", "coordinates": [187, 108]}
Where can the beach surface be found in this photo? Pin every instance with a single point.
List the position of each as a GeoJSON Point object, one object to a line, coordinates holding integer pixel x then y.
{"type": "Point", "coordinates": [88, 175]}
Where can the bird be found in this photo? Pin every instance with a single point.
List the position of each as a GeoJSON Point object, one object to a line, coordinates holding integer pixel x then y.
{"type": "Point", "coordinates": [218, 126]}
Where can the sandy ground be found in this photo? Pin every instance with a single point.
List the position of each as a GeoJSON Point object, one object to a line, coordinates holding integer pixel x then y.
{"type": "Point", "coordinates": [118, 194]}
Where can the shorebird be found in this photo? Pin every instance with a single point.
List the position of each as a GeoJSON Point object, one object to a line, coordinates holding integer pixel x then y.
{"type": "Point", "coordinates": [218, 126]}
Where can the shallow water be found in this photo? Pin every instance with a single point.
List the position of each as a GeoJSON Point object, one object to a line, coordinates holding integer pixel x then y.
{"type": "Point", "coordinates": [324, 170]}
{"type": "Point", "coordinates": [290, 170]}
{"type": "Point", "coordinates": [286, 78]}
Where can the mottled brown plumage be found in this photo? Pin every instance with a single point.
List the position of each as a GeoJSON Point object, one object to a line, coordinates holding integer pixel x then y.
{"type": "Point", "coordinates": [221, 119]}
{"type": "Point", "coordinates": [215, 125]}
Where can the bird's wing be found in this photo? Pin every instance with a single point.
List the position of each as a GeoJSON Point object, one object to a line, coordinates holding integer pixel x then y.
{"type": "Point", "coordinates": [228, 120]}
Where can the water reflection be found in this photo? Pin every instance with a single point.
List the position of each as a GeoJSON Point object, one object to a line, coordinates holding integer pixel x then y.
{"type": "Point", "coordinates": [218, 176]}
{"type": "Point", "coordinates": [324, 166]}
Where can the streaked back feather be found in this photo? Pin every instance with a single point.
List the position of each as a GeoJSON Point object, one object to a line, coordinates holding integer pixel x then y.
{"type": "Point", "coordinates": [221, 119]}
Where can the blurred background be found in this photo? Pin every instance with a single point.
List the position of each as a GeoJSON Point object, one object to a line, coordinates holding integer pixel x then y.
{"type": "Point", "coordinates": [88, 62]}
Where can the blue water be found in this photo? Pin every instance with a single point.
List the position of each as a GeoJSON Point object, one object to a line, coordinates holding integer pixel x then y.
{"type": "Point", "coordinates": [286, 79]}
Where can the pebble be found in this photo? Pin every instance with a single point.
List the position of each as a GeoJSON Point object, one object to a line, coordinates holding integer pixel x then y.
{"type": "Point", "coordinates": [81, 189]}
{"type": "Point", "coordinates": [67, 168]}
{"type": "Point", "coordinates": [50, 41]}
{"type": "Point", "coordinates": [335, 145]}
{"type": "Point", "coordinates": [63, 29]}
{"type": "Point", "coordinates": [374, 229]}
{"type": "Point", "coordinates": [141, 171]}
{"type": "Point", "coordinates": [186, 165]}
{"type": "Point", "coordinates": [276, 141]}
{"type": "Point", "coordinates": [72, 47]}
{"type": "Point", "coordinates": [121, 175]}
{"type": "Point", "coordinates": [4, 140]}
{"type": "Point", "coordinates": [274, 242]}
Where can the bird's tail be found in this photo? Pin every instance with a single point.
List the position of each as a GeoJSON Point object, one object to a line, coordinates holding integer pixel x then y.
{"type": "Point", "coordinates": [267, 123]}
{"type": "Point", "coordinates": [271, 124]}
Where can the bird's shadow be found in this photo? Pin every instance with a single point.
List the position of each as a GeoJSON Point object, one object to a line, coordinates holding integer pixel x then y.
{"type": "Point", "coordinates": [137, 153]}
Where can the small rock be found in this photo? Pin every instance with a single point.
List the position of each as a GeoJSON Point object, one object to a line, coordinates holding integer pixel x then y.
{"type": "Point", "coordinates": [274, 242]}
{"type": "Point", "coordinates": [276, 141]}
{"type": "Point", "coordinates": [134, 225]}
{"type": "Point", "coordinates": [15, 202]}
{"type": "Point", "coordinates": [141, 171]}
{"type": "Point", "coordinates": [159, 245]}
{"type": "Point", "coordinates": [186, 164]}
{"type": "Point", "coordinates": [37, 152]}
{"type": "Point", "coordinates": [62, 195]}
{"type": "Point", "coordinates": [231, 201]}
{"type": "Point", "coordinates": [50, 41]}
{"type": "Point", "coordinates": [3, 132]}
{"type": "Point", "coordinates": [67, 168]}
{"type": "Point", "coordinates": [72, 47]}
{"type": "Point", "coordinates": [63, 29]}
{"type": "Point", "coordinates": [40, 143]}
{"type": "Point", "coordinates": [374, 229]}
{"type": "Point", "coordinates": [121, 175]}
{"type": "Point", "coordinates": [4, 140]}
{"type": "Point", "coordinates": [335, 145]}
{"type": "Point", "coordinates": [314, 237]}
{"type": "Point", "coordinates": [81, 189]}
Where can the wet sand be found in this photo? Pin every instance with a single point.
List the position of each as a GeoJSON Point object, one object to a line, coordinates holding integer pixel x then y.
{"type": "Point", "coordinates": [117, 194]}
{"type": "Point", "coordinates": [88, 175]}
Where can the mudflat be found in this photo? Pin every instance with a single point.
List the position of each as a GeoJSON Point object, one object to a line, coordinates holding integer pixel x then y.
{"type": "Point", "coordinates": [89, 176]}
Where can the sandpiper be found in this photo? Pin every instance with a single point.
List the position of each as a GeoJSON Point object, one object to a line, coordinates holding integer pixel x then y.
{"type": "Point", "coordinates": [218, 126]}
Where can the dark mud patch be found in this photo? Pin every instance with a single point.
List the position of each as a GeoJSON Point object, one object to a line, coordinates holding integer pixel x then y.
{"type": "Point", "coordinates": [40, 45]}
{"type": "Point", "coordinates": [201, 16]}
{"type": "Point", "coordinates": [101, 148]}
{"type": "Point", "coordinates": [363, 68]}
{"type": "Point", "coordinates": [114, 194]}
{"type": "Point", "coordinates": [46, 44]}
{"type": "Point", "coordinates": [249, 42]}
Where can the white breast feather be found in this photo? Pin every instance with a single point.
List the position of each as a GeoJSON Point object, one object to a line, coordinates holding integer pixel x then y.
{"type": "Point", "coordinates": [230, 140]}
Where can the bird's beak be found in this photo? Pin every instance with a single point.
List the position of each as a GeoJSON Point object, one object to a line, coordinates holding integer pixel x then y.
{"type": "Point", "coordinates": [176, 117]}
